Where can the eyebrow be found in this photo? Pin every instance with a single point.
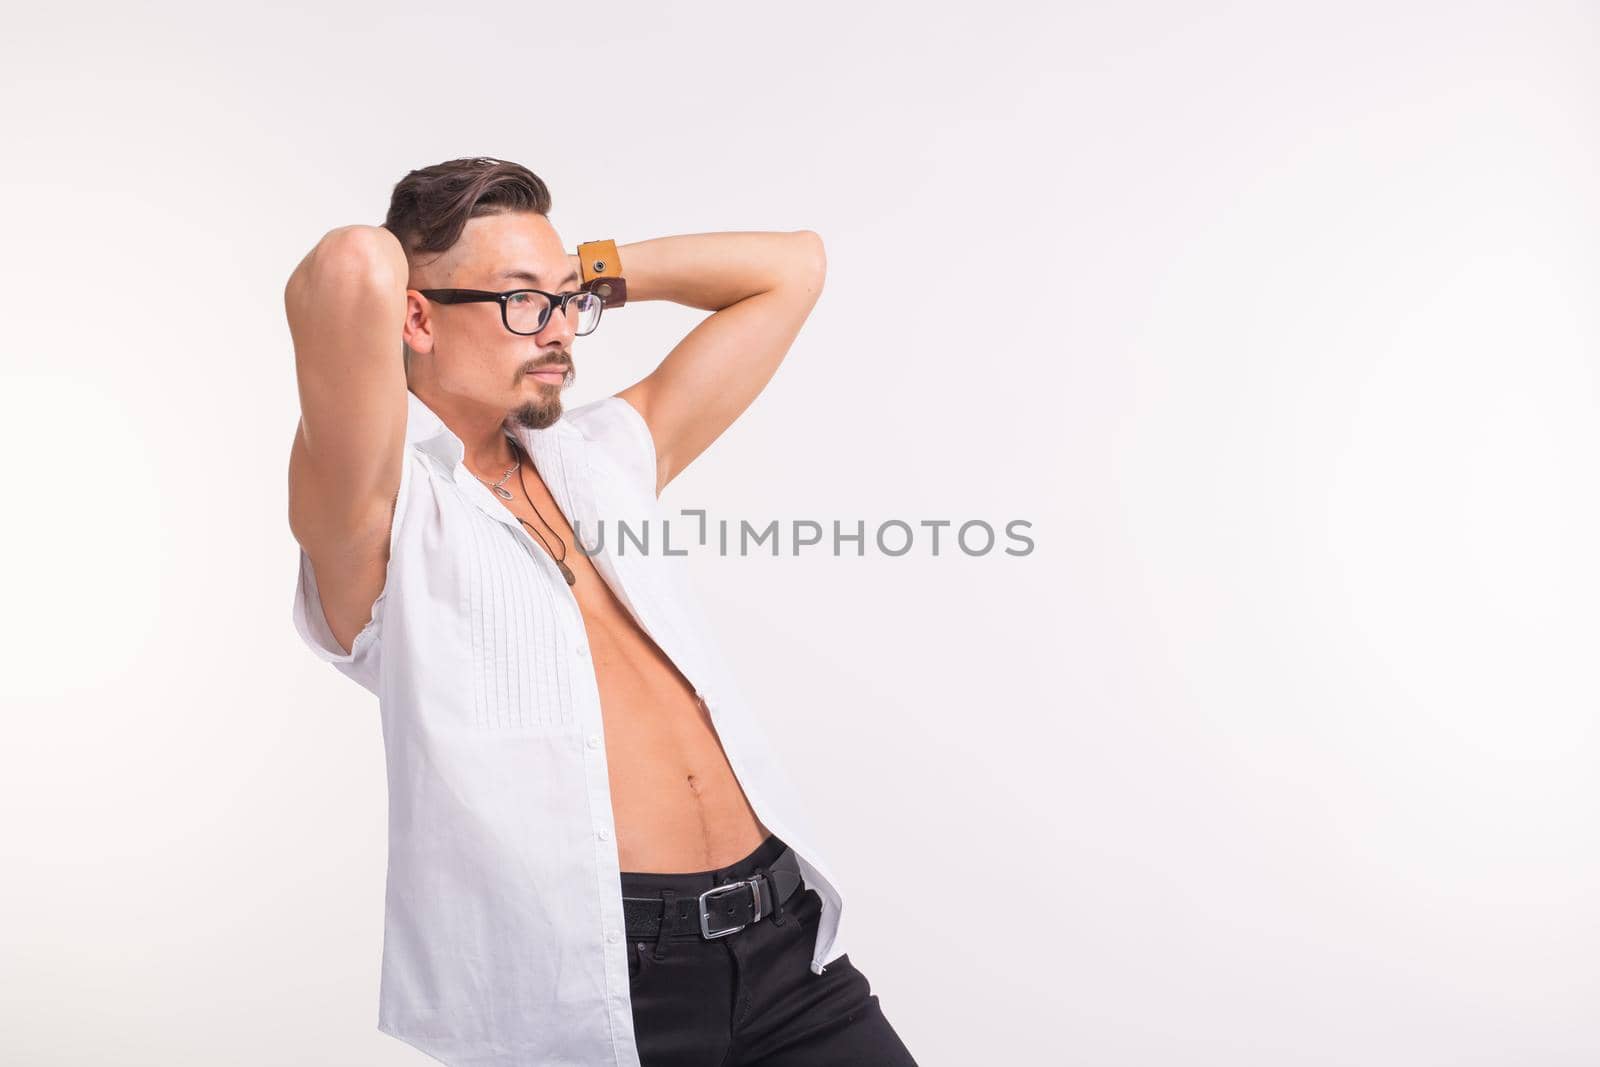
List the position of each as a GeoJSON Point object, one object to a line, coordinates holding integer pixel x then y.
{"type": "Point", "coordinates": [532, 278]}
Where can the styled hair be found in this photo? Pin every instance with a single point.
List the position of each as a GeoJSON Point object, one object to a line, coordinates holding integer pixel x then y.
{"type": "Point", "coordinates": [429, 208]}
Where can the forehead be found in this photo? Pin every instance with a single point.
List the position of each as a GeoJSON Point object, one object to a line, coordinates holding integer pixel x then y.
{"type": "Point", "coordinates": [507, 248]}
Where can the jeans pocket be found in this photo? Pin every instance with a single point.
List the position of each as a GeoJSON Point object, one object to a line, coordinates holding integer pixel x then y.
{"type": "Point", "coordinates": [806, 906]}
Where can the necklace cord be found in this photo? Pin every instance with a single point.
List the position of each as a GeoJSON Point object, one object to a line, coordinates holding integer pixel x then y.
{"type": "Point", "coordinates": [524, 483]}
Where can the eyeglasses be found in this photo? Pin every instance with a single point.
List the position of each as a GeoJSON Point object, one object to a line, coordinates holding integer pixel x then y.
{"type": "Point", "coordinates": [525, 311]}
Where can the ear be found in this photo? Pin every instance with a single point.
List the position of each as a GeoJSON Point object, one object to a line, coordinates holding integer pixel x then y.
{"type": "Point", "coordinates": [417, 331]}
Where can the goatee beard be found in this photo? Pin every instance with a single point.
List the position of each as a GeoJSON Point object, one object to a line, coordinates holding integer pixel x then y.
{"type": "Point", "coordinates": [537, 414]}
{"type": "Point", "coordinates": [545, 411]}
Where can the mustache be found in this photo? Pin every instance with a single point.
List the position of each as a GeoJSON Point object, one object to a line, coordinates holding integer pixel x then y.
{"type": "Point", "coordinates": [561, 363]}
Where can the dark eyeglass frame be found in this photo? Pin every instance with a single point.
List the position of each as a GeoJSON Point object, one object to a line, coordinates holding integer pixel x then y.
{"type": "Point", "coordinates": [484, 296]}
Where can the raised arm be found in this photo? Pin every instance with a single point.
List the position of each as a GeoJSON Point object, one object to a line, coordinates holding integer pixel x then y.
{"type": "Point", "coordinates": [346, 305]}
{"type": "Point", "coordinates": [761, 286]}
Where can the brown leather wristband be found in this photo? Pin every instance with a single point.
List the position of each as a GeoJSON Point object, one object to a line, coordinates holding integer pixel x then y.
{"type": "Point", "coordinates": [601, 269]}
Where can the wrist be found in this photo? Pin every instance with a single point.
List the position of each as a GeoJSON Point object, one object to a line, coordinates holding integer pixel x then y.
{"type": "Point", "coordinates": [600, 268]}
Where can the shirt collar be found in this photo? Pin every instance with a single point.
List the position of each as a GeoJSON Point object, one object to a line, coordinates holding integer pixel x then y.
{"type": "Point", "coordinates": [426, 431]}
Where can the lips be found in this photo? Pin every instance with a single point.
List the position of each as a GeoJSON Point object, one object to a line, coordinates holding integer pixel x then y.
{"type": "Point", "coordinates": [550, 373]}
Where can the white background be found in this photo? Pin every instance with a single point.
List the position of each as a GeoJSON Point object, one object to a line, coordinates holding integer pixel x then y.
{"type": "Point", "coordinates": [1276, 321]}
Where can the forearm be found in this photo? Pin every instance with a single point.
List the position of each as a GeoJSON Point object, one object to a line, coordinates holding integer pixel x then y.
{"type": "Point", "coordinates": [710, 271]}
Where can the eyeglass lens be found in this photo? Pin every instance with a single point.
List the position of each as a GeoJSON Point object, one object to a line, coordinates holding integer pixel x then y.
{"type": "Point", "coordinates": [526, 312]}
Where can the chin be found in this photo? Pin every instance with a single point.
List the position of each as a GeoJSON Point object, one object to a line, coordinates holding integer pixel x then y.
{"type": "Point", "coordinates": [538, 414]}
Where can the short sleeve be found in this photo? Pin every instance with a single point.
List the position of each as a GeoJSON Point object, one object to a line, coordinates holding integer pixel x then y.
{"type": "Point", "coordinates": [361, 661]}
{"type": "Point", "coordinates": [616, 426]}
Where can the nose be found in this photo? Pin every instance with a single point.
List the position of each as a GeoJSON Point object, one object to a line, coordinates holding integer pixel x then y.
{"type": "Point", "coordinates": [557, 330]}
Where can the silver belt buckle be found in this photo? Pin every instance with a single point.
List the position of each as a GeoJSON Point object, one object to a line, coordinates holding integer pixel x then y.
{"type": "Point", "coordinates": [754, 885]}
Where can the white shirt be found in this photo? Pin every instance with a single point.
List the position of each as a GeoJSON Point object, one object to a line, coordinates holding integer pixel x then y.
{"type": "Point", "coordinates": [503, 934]}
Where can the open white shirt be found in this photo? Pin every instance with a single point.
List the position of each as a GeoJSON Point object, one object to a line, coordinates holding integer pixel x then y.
{"type": "Point", "coordinates": [503, 940]}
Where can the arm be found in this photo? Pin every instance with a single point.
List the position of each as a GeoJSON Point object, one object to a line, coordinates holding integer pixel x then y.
{"type": "Point", "coordinates": [760, 286]}
{"type": "Point", "coordinates": [346, 303]}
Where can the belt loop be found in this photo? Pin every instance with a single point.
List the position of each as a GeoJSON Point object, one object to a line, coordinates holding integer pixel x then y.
{"type": "Point", "coordinates": [777, 898]}
{"type": "Point", "coordinates": [669, 912]}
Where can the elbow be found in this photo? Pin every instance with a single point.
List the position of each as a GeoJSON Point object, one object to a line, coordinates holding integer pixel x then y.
{"type": "Point", "coordinates": [815, 256]}
{"type": "Point", "coordinates": [349, 258]}
{"type": "Point", "coordinates": [809, 265]}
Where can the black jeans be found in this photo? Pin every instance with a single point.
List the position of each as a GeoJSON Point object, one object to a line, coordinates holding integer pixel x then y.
{"type": "Point", "coordinates": [750, 998]}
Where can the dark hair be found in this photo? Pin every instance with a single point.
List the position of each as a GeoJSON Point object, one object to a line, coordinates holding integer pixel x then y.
{"type": "Point", "coordinates": [430, 207]}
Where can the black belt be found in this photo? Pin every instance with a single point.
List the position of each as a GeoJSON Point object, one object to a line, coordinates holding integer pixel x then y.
{"type": "Point", "coordinates": [719, 911]}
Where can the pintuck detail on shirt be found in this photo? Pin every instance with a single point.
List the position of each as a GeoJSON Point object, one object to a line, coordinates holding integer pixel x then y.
{"type": "Point", "coordinates": [503, 931]}
{"type": "Point", "coordinates": [525, 682]}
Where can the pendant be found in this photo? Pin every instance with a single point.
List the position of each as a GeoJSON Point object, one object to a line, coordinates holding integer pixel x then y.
{"type": "Point", "coordinates": [566, 572]}
{"type": "Point", "coordinates": [502, 492]}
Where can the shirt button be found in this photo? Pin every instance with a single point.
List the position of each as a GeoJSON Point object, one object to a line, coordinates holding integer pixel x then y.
{"type": "Point", "coordinates": [594, 740]}
{"type": "Point", "coordinates": [603, 835]}
{"type": "Point", "coordinates": [612, 937]}
{"type": "Point", "coordinates": [583, 651]}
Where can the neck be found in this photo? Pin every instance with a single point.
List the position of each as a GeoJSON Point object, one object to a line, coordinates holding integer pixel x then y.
{"type": "Point", "coordinates": [490, 458]}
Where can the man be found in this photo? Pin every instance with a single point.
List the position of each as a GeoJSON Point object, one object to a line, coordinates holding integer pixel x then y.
{"type": "Point", "coordinates": [594, 854]}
